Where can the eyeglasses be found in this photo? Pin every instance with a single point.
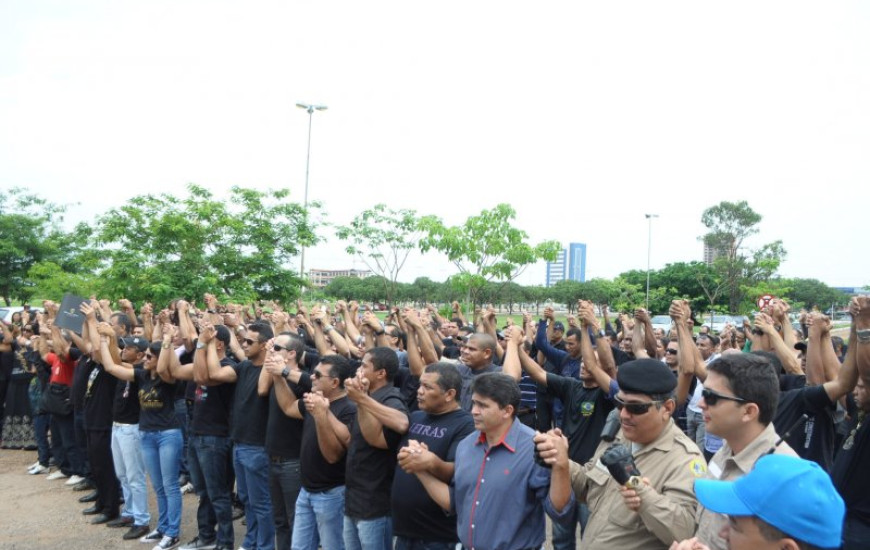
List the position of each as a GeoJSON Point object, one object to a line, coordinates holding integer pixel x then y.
{"type": "Point", "coordinates": [279, 348]}
{"type": "Point", "coordinates": [671, 351]}
{"type": "Point", "coordinates": [711, 397]}
{"type": "Point", "coordinates": [634, 408]}
{"type": "Point", "coordinates": [317, 375]}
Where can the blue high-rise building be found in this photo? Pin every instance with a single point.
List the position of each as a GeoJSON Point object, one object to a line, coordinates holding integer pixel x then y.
{"type": "Point", "coordinates": [570, 265]}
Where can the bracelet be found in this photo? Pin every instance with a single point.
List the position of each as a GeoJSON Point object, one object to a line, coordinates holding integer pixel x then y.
{"type": "Point", "coordinates": [166, 345]}
{"type": "Point", "coordinates": [327, 328]}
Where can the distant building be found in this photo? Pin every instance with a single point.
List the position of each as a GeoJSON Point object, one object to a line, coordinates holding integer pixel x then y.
{"type": "Point", "coordinates": [710, 254]}
{"type": "Point", "coordinates": [319, 278]}
{"type": "Point", "coordinates": [570, 265]}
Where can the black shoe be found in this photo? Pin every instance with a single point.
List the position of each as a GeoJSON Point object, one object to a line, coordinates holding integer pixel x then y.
{"type": "Point", "coordinates": [86, 485]}
{"type": "Point", "coordinates": [223, 547]}
{"type": "Point", "coordinates": [120, 521]}
{"type": "Point", "coordinates": [92, 511]}
{"type": "Point", "coordinates": [136, 532]}
{"type": "Point", "coordinates": [102, 518]}
{"type": "Point", "coordinates": [90, 497]}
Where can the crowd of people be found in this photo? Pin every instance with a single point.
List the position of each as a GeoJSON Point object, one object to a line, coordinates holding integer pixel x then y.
{"type": "Point", "coordinates": [331, 428]}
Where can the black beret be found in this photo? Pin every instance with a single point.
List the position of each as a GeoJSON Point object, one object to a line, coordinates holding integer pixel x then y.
{"type": "Point", "coordinates": [645, 376]}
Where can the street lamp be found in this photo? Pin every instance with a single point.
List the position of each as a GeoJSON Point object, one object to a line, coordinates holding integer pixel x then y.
{"type": "Point", "coordinates": [649, 218]}
{"type": "Point", "coordinates": [310, 108]}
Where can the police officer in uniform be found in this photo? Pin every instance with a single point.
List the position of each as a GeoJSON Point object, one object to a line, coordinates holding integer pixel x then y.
{"type": "Point", "coordinates": [656, 507]}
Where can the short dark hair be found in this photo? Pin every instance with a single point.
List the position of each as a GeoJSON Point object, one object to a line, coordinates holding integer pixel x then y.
{"type": "Point", "coordinates": [750, 377]}
{"type": "Point", "coordinates": [448, 377]}
{"type": "Point", "coordinates": [294, 343]}
{"type": "Point", "coordinates": [499, 387]}
{"type": "Point", "coordinates": [264, 330]}
{"type": "Point", "coordinates": [339, 367]}
{"type": "Point", "coordinates": [385, 358]}
{"type": "Point", "coordinates": [485, 340]}
{"type": "Point", "coordinates": [575, 332]}
{"type": "Point", "coordinates": [124, 321]}
{"type": "Point", "coordinates": [709, 336]}
{"type": "Point", "coordinates": [772, 534]}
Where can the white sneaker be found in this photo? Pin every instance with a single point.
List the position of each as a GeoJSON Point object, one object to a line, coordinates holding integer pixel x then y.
{"type": "Point", "coordinates": [38, 469]}
{"type": "Point", "coordinates": [153, 536]}
{"type": "Point", "coordinates": [57, 474]}
{"type": "Point", "coordinates": [32, 466]}
{"type": "Point", "coordinates": [166, 543]}
{"type": "Point", "coordinates": [74, 479]}
{"type": "Point", "coordinates": [187, 488]}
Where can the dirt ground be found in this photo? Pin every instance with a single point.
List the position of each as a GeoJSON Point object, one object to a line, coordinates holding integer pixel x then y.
{"type": "Point", "coordinates": [37, 514]}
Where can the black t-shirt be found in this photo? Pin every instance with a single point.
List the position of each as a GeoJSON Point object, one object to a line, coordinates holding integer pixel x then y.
{"type": "Point", "coordinates": [415, 514]}
{"type": "Point", "coordinates": [583, 416]}
{"type": "Point", "coordinates": [79, 383]}
{"type": "Point", "coordinates": [212, 407]}
{"type": "Point", "coordinates": [156, 402]}
{"type": "Point", "coordinates": [7, 362]}
{"type": "Point", "coordinates": [251, 410]}
{"type": "Point", "coordinates": [125, 408]}
{"type": "Point", "coordinates": [99, 392]}
{"type": "Point", "coordinates": [318, 475]}
{"type": "Point", "coordinates": [408, 384]}
{"type": "Point", "coordinates": [369, 474]}
{"type": "Point", "coordinates": [850, 473]}
{"type": "Point", "coordinates": [284, 434]}
{"type": "Point", "coordinates": [815, 439]}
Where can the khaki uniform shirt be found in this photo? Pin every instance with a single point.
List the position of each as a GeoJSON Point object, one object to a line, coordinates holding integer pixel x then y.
{"type": "Point", "coordinates": [727, 466]}
{"type": "Point", "coordinates": [667, 512]}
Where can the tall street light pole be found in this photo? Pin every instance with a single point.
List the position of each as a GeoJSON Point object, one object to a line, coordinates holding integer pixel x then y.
{"type": "Point", "coordinates": [649, 218]}
{"type": "Point", "coordinates": [310, 108]}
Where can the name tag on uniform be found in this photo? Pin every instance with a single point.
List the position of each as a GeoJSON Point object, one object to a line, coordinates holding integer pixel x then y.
{"type": "Point", "coordinates": [714, 469]}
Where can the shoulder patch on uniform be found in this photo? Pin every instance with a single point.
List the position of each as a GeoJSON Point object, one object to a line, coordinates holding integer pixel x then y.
{"type": "Point", "coordinates": [698, 467]}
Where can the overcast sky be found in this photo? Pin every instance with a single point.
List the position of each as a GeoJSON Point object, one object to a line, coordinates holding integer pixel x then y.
{"type": "Point", "coordinates": [583, 116]}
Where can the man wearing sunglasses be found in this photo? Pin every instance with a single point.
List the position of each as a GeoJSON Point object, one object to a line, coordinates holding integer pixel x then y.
{"type": "Point", "coordinates": [661, 508]}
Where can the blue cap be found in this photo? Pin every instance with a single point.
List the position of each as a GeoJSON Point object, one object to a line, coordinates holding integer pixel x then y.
{"type": "Point", "coordinates": [794, 495]}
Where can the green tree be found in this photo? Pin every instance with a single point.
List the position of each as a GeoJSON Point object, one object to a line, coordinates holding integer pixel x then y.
{"type": "Point", "coordinates": [737, 269]}
{"type": "Point", "coordinates": [810, 293]}
{"type": "Point", "coordinates": [568, 292]}
{"type": "Point", "coordinates": [424, 291]}
{"type": "Point", "coordinates": [31, 233]}
{"type": "Point", "coordinates": [163, 247]}
{"type": "Point", "coordinates": [487, 247]}
{"type": "Point", "coordinates": [383, 239]}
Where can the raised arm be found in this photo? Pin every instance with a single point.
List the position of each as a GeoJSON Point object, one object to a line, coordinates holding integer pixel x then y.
{"type": "Point", "coordinates": [333, 437]}
{"type": "Point", "coordinates": [588, 322]}
{"type": "Point", "coordinates": [786, 356]}
{"type": "Point", "coordinates": [642, 317]}
{"type": "Point", "coordinates": [855, 361]}
{"type": "Point", "coordinates": [688, 358]}
{"type": "Point", "coordinates": [372, 416]}
{"type": "Point", "coordinates": [123, 371]}
{"type": "Point", "coordinates": [283, 394]}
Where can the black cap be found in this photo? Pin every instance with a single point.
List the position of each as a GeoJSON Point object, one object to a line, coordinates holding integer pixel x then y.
{"type": "Point", "coordinates": [140, 344]}
{"type": "Point", "coordinates": [645, 376]}
{"type": "Point", "coordinates": [559, 326]}
{"type": "Point", "coordinates": [222, 333]}
{"type": "Point", "coordinates": [802, 346]}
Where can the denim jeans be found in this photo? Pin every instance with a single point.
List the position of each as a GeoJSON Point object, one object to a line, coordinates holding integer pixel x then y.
{"type": "Point", "coordinates": [181, 413]}
{"type": "Point", "coordinates": [40, 429]}
{"type": "Point", "coordinates": [208, 459]}
{"type": "Point", "coordinates": [162, 453]}
{"type": "Point", "coordinates": [368, 534]}
{"type": "Point", "coordinates": [130, 469]}
{"type": "Point", "coordinates": [285, 480]}
{"type": "Point", "coordinates": [403, 543]}
{"type": "Point", "coordinates": [252, 482]}
{"type": "Point", "coordinates": [319, 520]}
{"type": "Point", "coordinates": [696, 429]}
{"type": "Point", "coordinates": [565, 535]}
{"type": "Point", "coordinates": [67, 454]}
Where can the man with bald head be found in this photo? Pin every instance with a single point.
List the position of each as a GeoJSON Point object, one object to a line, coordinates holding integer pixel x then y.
{"type": "Point", "coordinates": [478, 352]}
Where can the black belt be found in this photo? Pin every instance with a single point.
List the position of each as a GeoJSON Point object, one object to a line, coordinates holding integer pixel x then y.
{"type": "Point", "coordinates": [278, 459]}
{"type": "Point", "coordinates": [525, 410]}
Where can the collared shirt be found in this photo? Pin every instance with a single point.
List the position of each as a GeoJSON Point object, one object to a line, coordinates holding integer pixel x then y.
{"type": "Point", "coordinates": [727, 466]}
{"type": "Point", "coordinates": [499, 493]}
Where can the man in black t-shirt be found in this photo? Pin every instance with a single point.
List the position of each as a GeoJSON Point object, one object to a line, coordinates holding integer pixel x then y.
{"type": "Point", "coordinates": [209, 442]}
{"type": "Point", "coordinates": [326, 413]}
{"type": "Point", "coordinates": [430, 445]}
{"type": "Point", "coordinates": [284, 437]}
{"type": "Point", "coordinates": [382, 419]}
{"type": "Point", "coordinates": [248, 432]}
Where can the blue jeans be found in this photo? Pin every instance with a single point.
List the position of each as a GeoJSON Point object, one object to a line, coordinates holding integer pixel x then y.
{"type": "Point", "coordinates": [209, 457]}
{"type": "Point", "coordinates": [252, 482]}
{"type": "Point", "coordinates": [565, 535]}
{"type": "Point", "coordinates": [130, 469]}
{"type": "Point", "coordinates": [319, 520]}
{"type": "Point", "coordinates": [40, 429]}
{"type": "Point", "coordinates": [285, 480]}
{"type": "Point", "coordinates": [403, 543]}
{"type": "Point", "coordinates": [368, 534]}
{"type": "Point", "coordinates": [162, 453]}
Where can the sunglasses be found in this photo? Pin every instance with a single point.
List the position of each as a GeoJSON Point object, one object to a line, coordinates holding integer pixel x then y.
{"type": "Point", "coordinates": [278, 348]}
{"type": "Point", "coordinates": [250, 342]}
{"type": "Point", "coordinates": [634, 408]}
{"type": "Point", "coordinates": [672, 351]}
{"type": "Point", "coordinates": [711, 397]}
{"type": "Point", "coordinates": [317, 375]}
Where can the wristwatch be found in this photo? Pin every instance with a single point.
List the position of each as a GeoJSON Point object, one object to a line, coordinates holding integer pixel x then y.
{"type": "Point", "coordinates": [200, 345]}
{"type": "Point", "coordinates": [285, 373]}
